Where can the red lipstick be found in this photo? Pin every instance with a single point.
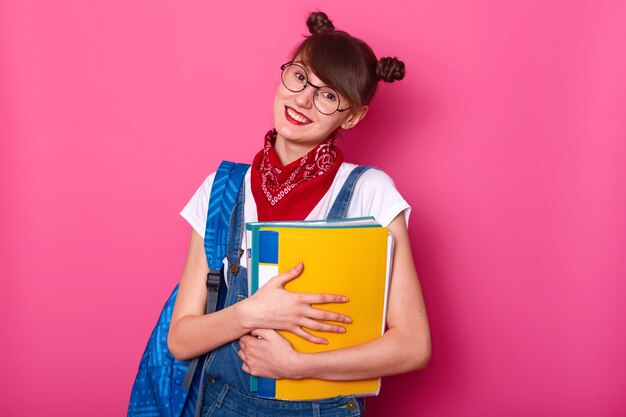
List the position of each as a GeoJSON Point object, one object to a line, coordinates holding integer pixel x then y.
{"type": "Point", "coordinates": [295, 117]}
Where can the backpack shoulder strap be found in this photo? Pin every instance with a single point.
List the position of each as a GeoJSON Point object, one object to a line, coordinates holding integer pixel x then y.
{"type": "Point", "coordinates": [339, 208]}
{"type": "Point", "coordinates": [226, 184]}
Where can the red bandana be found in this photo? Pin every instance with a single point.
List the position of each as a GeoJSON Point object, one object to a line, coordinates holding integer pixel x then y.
{"type": "Point", "coordinates": [290, 192]}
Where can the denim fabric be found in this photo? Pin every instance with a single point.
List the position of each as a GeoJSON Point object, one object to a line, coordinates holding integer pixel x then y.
{"type": "Point", "coordinates": [226, 388]}
{"type": "Point", "coordinates": [342, 201]}
{"type": "Point", "coordinates": [221, 400]}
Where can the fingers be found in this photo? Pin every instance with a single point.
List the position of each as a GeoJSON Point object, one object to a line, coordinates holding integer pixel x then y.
{"type": "Point", "coordinates": [289, 275]}
{"type": "Point", "coordinates": [264, 333]}
{"type": "Point", "coordinates": [246, 368]}
{"type": "Point", "coordinates": [322, 327]}
{"type": "Point", "coordinates": [319, 314]}
{"type": "Point", "coordinates": [299, 331]}
{"type": "Point", "coordinates": [310, 298]}
{"type": "Point", "coordinates": [244, 364]}
{"type": "Point", "coordinates": [269, 334]}
{"type": "Point", "coordinates": [243, 358]}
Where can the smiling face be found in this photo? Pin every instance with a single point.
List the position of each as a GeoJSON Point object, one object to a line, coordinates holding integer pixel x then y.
{"type": "Point", "coordinates": [300, 124]}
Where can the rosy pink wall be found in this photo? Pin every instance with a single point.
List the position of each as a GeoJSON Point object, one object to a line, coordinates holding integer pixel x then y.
{"type": "Point", "coordinates": [507, 137]}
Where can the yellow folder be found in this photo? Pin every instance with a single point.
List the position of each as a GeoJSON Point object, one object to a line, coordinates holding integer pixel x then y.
{"type": "Point", "coordinates": [339, 258]}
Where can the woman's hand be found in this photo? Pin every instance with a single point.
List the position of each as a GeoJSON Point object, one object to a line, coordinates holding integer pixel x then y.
{"type": "Point", "coordinates": [273, 307]}
{"type": "Point", "coordinates": [267, 354]}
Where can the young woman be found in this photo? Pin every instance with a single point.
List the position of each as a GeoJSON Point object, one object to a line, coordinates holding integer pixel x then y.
{"type": "Point", "coordinates": [326, 86]}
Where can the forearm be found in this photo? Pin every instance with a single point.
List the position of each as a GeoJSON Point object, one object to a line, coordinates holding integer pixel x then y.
{"type": "Point", "coordinates": [389, 354]}
{"type": "Point", "coordinates": [194, 335]}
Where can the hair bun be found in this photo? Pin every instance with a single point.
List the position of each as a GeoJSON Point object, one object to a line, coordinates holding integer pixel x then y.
{"type": "Point", "coordinates": [390, 69]}
{"type": "Point", "coordinates": [318, 22]}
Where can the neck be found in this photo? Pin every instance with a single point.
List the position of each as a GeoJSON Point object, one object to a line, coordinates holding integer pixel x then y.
{"type": "Point", "coordinates": [288, 151]}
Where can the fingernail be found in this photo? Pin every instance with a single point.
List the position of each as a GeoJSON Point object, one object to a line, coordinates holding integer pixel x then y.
{"type": "Point", "coordinates": [342, 330]}
{"type": "Point", "coordinates": [344, 299]}
{"type": "Point", "coordinates": [325, 342]}
{"type": "Point", "coordinates": [348, 320]}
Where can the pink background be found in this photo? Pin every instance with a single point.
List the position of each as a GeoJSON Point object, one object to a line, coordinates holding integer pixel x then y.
{"type": "Point", "coordinates": [507, 137]}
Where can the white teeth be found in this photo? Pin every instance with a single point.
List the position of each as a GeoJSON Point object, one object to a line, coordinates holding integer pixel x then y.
{"type": "Point", "coordinates": [292, 113]}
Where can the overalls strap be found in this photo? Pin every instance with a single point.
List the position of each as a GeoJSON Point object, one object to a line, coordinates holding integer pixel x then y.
{"type": "Point", "coordinates": [339, 210]}
{"type": "Point", "coordinates": [237, 222]}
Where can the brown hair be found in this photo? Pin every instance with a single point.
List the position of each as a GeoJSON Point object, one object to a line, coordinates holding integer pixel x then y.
{"type": "Point", "coordinates": [344, 62]}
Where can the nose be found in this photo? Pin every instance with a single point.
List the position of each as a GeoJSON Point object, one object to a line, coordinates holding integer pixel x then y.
{"type": "Point", "coordinates": [305, 97]}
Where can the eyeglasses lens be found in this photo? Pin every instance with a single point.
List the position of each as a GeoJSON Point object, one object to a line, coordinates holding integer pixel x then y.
{"type": "Point", "coordinates": [294, 78]}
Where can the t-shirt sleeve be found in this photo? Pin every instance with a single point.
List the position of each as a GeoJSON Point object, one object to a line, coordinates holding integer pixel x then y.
{"type": "Point", "coordinates": [195, 211]}
{"type": "Point", "coordinates": [376, 195]}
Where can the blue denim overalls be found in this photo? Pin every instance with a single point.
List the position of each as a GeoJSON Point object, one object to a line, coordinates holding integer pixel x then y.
{"type": "Point", "coordinates": [226, 388]}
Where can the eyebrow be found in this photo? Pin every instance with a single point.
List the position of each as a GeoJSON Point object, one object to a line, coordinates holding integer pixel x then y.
{"type": "Point", "coordinates": [304, 65]}
{"type": "Point", "coordinates": [310, 71]}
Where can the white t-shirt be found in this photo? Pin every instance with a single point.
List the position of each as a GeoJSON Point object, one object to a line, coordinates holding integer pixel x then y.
{"type": "Point", "coordinates": [374, 195]}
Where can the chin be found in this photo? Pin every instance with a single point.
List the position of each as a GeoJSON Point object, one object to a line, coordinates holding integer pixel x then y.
{"type": "Point", "coordinates": [288, 131]}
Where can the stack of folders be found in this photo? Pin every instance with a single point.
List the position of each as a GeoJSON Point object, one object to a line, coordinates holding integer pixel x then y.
{"type": "Point", "coordinates": [351, 257]}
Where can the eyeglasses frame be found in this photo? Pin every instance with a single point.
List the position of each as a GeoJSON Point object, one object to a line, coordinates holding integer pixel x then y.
{"type": "Point", "coordinates": [317, 88]}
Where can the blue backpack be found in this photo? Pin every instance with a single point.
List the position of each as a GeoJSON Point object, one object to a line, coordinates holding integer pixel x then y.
{"type": "Point", "coordinates": [165, 386]}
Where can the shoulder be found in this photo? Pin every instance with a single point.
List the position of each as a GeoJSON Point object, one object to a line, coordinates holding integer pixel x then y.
{"type": "Point", "coordinates": [207, 184]}
{"type": "Point", "coordinates": [376, 179]}
{"type": "Point", "coordinates": [372, 180]}
{"type": "Point", "coordinates": [375, 194]}
{"type": "Point", "coordinates": [208, 181]}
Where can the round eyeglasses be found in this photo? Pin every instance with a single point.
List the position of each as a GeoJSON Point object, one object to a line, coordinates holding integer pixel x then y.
{"type": "Point", "coordinates": [295, 79]}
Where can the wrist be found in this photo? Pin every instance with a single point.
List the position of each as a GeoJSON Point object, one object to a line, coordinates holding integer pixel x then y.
{"type": "Point", "coordinates": [243, 316]}
{"type": "Point", "coordinates": [298, 365]}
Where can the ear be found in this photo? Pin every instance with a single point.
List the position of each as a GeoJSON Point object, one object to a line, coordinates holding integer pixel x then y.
{"type": "Point", "coordinates": [354, 118]}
